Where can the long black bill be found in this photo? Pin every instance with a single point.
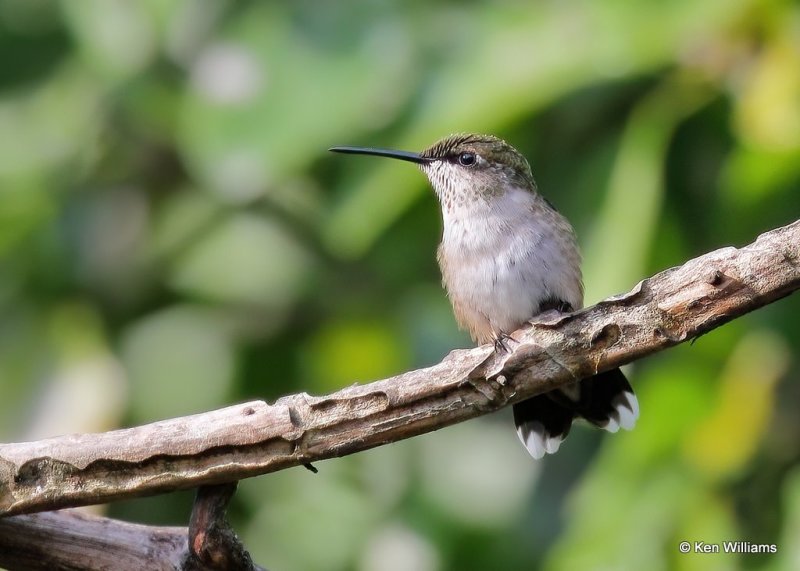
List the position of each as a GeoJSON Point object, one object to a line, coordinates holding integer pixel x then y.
{"type": "Point", "coordinates": [402, 155]}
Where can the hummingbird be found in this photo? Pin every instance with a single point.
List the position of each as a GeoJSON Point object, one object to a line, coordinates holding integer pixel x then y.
{"type": "Point", "coordinates": [507, 255]}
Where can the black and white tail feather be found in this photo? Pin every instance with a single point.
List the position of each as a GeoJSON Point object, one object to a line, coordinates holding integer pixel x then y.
{"type": "Point", "coordinates": [605, 400]}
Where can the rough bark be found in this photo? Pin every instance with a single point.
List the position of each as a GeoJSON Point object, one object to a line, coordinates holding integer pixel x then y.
{"type": "Point", "coordinates": [72, 540]}
{"type": "Point", "coordinates": [255, 438]}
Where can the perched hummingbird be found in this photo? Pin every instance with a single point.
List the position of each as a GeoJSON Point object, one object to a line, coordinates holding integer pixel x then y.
{"type": "Point", "coordinates": [507, 255]}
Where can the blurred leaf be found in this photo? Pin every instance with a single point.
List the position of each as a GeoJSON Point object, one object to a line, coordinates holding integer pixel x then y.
{"type": "Point", "coordinates": [708, 518]}
{"type": "Point", "coordinates": [730, 434]}
{"type": "Point", "coordinates": [22, 334]}
{"type": "Point", "coordinates": [53, 125]}
{"type": "Point", "coordinates": [768, 114]}
{"type": "Point", "coordinates": [617, 250]}
{"type": "Point", "coordinates": [110, 232]}
{"type": "Point", "coordinates": [86, 388]}
{"type": "Point", "coordinates": [674, 396]}
{"type": "Point", "coordinates": [246, 259]}
{"type": "Point", "coordinates": [24, 206]}
{"type": "Point", "coordinates": [179, 361]}
{"type": "Point", "coordinates": [751, 176]}
{"type": "Point", "coordinates": [398, 548]}
{"type": "Point", "coordinates": [182, 219]}
{"type": "Point", "coordinates": [32, 32]}
{"type": "Point", "coordinates": [459, 476]}
{"type": "Point", "coordinates": [310, 523]}
{"type": "Point", "coordinates": [116, 37]}
{"type": "Point", "coordinates": [629, 502]}
{"type": "Point", "coordinates": [788, 557]}
{"type": "Point", "coordinates": [621, 525]}
{"type": "Point", "coordinates": [234, 131]}
{"type": "Point", "coordinates": [341, 353]}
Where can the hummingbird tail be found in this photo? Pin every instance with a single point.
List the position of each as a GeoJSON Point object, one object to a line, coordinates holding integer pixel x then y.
{"type": "Point", "coordinates": [542, 424]}
{"type": "Point", "coordinates": [605, 400]}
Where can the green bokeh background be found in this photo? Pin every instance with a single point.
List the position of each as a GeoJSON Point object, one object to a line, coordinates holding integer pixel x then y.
{"type": "Point", "coordinates": [174, 237]}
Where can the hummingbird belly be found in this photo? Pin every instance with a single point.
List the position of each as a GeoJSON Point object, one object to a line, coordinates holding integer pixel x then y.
{"type": "Point", "coordinates": [497, 287]}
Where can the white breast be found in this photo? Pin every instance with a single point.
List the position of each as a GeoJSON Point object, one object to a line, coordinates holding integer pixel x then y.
{"type": "Point", "coordinates": [500, 260]}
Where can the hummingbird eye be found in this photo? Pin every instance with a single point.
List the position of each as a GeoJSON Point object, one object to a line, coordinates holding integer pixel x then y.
{"type": "Point", "coordinates": [466, 159]}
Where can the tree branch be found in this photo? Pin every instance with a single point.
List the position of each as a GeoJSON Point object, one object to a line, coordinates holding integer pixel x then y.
{"type": "Point", "coordinates": [213, 545]}
{"type": "Point", "coordinates": [73, 540]}
{"type": "Point", "coordinates": [256, 438]}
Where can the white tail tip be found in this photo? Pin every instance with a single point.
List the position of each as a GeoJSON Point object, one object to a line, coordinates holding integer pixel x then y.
{"type": "Point", "coordinates": [537, 441]}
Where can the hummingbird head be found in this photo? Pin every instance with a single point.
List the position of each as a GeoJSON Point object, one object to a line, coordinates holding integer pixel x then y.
{"type": "Point", "coordinates": [465, 168]}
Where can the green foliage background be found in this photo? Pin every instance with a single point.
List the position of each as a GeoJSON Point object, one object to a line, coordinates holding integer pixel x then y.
{"type": "Point", "coordinates": [174, 237]}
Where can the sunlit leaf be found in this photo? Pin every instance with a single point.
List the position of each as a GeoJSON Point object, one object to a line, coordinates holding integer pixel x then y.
{"type": "Point", "coordinates": [344, 352]}
{"type": "Point", "coordinates": [730, 434]}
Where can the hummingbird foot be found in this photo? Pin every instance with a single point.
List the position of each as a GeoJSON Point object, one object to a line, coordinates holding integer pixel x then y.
{"type": "Point", "coordinates": [501, 342]}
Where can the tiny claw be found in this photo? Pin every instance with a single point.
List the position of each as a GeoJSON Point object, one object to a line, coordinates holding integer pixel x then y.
{"type": "Point", "coordinates": [501, 344]}
{"type": "Point", "coordinates": [310, 467]}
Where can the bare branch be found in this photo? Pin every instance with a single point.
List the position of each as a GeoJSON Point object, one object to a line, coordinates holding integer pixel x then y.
{"type": "Point", "coordinates": [212, 542]}
{"type": "Point", "coordinates": [73, 540]}
{"type": "Point", "coordinates": [256, 438]}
